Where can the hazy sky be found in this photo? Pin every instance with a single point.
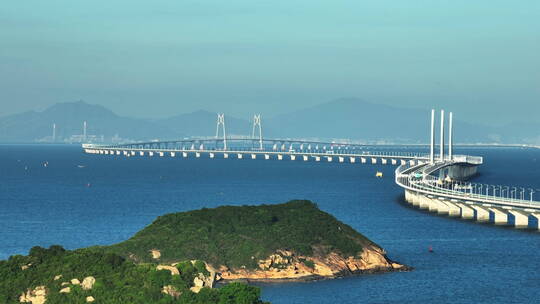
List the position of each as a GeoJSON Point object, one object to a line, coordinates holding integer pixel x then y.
{"type": "Point", "coordinates": [479, 58]}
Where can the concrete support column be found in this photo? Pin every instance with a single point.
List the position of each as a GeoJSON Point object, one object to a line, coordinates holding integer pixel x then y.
{"type": "Point", "coordinates": [433, 204]}
{"type": "Point", "coordinates": [521, 219]}
{"type": "Point", "coordinates": [500, 217]}
{"type": "Point", "coordinates": [423, 201]}
{"type": "Point", "coordinates": [453, 208]}
{"type": "Point", "coordinates": [466, 211]}
{"type": "Point", "coordinates": [305, 157]}
{"type": "Point", "coordinates": [481, 214]}
{"type": "Point", "coordinates": [440, 205]}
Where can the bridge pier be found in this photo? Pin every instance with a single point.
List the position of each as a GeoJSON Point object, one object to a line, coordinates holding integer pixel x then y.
{"type": "Point", "coordinates": [305, 157]}
{"type": "Point", "coordinates": [384, 161]}
{"type": "Point", "coordinates": [280, 157]}
{"type": "Point", "coordinates": [150, 153]}
{"type": "Point", "coordinates": [393, 161]}
{"type": "Point", "coordinates": [225, 155]}
{"type": "Point", "coordinates": [424, 202]}
{"type": "Point", "coordinates": [352, 160]}
{"type": "Point", "coordinates": [317, 158]}
{"type": "Point", "coordinates": [141, 153]}
{"type": "Point", "coordinates": [453, 209]}
{"type": "Point", "coordinates": [239, 155]}
{"type": "Point", "coordinates": [466, 211]}
{"type": "Point", "coordinates": [267, 156]}
{"type": "Point", "coordinates": [498, 216]}
{"type": "Point", "coordinates": [293, 157]}
{"type": "Point", "coordinates": [329, 158]}
{"type": "Point", "coordinates": [184, 154]}
{"type": "Point", "coordinates": [373, 161]}
{"type": "Point", "coordinates": [520, 218]}
{"type": "Point", "coordinates": [481, 214]}
{"type": "Point", "coordinates": [253, 156]}
{"type": "Point", "coordinates": [212, 155]}
{"type": "Point", "coordinates": [173, 154]}
{"type": "Point", "coordinates": [363, 160]}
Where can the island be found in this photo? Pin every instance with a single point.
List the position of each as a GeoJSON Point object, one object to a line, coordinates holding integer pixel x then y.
{"type": "Point", "coordinates": [180, 257]}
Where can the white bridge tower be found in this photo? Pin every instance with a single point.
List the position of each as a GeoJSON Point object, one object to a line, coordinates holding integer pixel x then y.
{"type": "Point", "coordinates": [221, 122]}
{"type": "Point", "coordinates": [257, 125]}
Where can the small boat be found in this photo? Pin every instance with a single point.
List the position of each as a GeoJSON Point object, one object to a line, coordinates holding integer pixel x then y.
{"type": "Point", "coordinates": [379, 174]}
{"type": "Point", "coordinates": [81, 166]}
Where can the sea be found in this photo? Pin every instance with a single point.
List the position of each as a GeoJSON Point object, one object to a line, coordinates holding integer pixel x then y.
{"type": "Point", "coordinates": [55, 194]}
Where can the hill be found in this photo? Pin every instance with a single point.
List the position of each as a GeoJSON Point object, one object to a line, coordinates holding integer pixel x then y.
{"type": "Point", "coordinates": [177, 256]}
{"type": "Point", "coordinates": [357, 119]}
{"type": "Point", "coordinates": [252, 241]}
{"type": "Point", "coordinates": [59, 276]}
{"type": "Point", "coordinates": [69, 117]}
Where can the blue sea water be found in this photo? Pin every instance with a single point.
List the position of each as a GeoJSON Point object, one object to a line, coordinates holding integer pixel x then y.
{"type": "Point", "coordinates": [79, 200]}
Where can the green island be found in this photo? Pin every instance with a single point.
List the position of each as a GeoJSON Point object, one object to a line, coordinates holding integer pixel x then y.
{"type": "Point", "coordinates": [180, 257]}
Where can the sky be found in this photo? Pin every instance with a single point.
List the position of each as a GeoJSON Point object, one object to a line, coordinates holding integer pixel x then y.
{"type": "Point", "coordinates": [478, 58]}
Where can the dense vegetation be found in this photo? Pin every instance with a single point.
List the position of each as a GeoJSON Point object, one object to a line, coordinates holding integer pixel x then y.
{"type": "Point", "coordinates": [118, 281]}
{"type": "Point", "coordinates": [231, 236]}
{"type": "Point", "coordinates": [240, 236]}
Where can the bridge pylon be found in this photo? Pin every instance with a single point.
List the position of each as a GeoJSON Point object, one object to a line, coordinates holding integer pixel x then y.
{"type": "Point", "coordinates": [257, 125]}
{"type": "Point", "coordinates": [221, 123]}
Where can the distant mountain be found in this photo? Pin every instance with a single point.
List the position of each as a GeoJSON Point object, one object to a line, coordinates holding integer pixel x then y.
{"type": "Point", "coordinates": [68, 117]}
{"type": "Point", "coordinates": [346, 118]}
{"type": "Point", "coordinates": [357, 119]}
{"type": "Point", "coordinates": [106, 125]}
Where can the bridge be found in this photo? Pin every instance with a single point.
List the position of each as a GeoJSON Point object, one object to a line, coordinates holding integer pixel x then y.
{"type": "Point", "coordinates": [435, 183]}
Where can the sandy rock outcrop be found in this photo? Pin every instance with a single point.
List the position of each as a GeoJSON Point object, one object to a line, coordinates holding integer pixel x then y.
{"type": "Point", "coordinates": [57, 277]}
{"type": "Point", "coordinates": [36, 296]}
{"type": "Point", "coordinates": [75, 282]}
{"type": "Point", "coordinates": [172, 269]}
{"type": "Point", "coordinates": [65, 290]}
{"type": "Point", "coordinates": [156, 254]}
{"type": "Point", "coordinates": [171, 290]}
{"type": "Point", "coordinates": [285, 264]}
{"type": "Point", "coordinates": [88, 283]}
{"type": "Point", "coordinates": [90, 299]}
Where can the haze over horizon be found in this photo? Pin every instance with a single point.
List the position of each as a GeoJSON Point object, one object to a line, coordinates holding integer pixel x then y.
{"type": "Point", "coordinates": [478, 59]}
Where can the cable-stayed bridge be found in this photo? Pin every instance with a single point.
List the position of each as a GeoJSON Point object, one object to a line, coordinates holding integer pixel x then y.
{"type": "Point", "coordinates": [438, 183]}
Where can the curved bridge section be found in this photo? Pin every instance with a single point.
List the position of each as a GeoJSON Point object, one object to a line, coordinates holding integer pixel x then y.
{"type": "Point", "coordinates": [447, 196]}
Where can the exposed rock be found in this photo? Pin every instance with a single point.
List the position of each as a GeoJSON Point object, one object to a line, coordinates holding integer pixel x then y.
{"type": "Point", "coordinates": [36, 296]}
{"type": "Point", "coordinates": [172, 269]}
{"type": "Point", "coordinates": [75, 282]}
{"type": "Point", "coordinates": [171, 290]}
{"type": "Point", "coordinates": [285, 264]}
{"type": "Point", "coordinates": [196, 289]}
{"type": "Point", "coordinates": [65, 290]}
{"type": "Point", "coordinates": [90, 299]}
{"type": "Point", "coordinates": [64, 283]}
{"type": "Point", "coordinates": [198, 282]}
{"type": "Point", "coordinates": [57, 277]}
{"type": "Point", "coordinates": [156, 254]}
{"type": "Point", "coordinates": [88, 283]}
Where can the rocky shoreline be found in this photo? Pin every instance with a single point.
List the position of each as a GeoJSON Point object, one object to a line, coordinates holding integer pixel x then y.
{"type": "Point", "coordinates": [286, 266]}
